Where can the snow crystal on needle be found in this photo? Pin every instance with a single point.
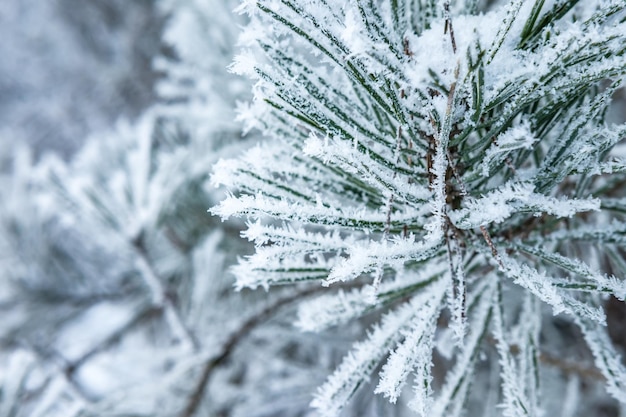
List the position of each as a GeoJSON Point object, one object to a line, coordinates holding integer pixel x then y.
{"type": "Point", "coordinates": [244, 64]}
{"type": "Point", "coordinates": [513, 197]}
{"type": "Point", "coordinates": [352, 34]}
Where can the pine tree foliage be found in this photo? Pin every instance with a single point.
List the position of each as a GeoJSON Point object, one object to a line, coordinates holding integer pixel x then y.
{"type": "Point", "coordinates": [449, 167]}
{"type": "Point", "coordinates": [448, 170]}
{"type": "Point", "coordinates": [113, 294]}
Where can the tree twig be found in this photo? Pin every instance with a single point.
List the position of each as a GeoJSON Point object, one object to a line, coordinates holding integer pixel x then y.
{"type": "Point", "coordinates": [448, 25]}
{"type": "Point", "coordinates": [234, 340]}
{"type": "Point", "coordinates": [571, 367]}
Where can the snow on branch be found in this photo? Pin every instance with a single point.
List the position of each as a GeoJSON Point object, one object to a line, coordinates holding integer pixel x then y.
{"type": "Point", "coordinates": [514, 197]}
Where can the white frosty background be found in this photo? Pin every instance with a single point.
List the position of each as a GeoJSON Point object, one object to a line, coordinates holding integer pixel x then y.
{"type": "Point", "coordinates": [69, 68]}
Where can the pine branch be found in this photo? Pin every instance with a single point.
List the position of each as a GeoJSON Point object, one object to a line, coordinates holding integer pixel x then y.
{"type": "Point", "coordinates": [498, 146]}
{"type": "Point", "coordinates": [487, 162]}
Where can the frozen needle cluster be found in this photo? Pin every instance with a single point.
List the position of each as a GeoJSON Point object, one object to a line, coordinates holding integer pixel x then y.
{"type": "Point", "coordinates": [447, 167]}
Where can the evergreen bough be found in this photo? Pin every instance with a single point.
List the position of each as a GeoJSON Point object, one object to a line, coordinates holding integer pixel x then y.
{"type": "Point", "coordinates": [449, 168]}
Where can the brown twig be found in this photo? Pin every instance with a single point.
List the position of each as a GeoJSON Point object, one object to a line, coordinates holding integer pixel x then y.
{"type": "Point", "coordinates": [566, 366]}
{"type": "Point", "coordinates": [571, 367]}
{"type": "Point", "coordinates": [234, 340]}
{"type": "Point", "coordinates": [494, 250]}
{"type": "Point", "coordinates": [448, 26]}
